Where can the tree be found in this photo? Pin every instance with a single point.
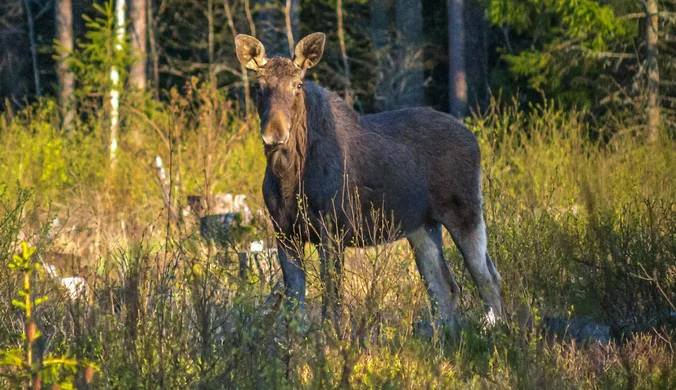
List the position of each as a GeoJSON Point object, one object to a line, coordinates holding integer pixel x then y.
{"type": "Point", "coordinates": [584, 53]}
{"type": "Point", "coordinates": [64, 35]}
{"type": "Point", "coordinates": [476, 55]}
{"type": "Point", "coordinates": [400, 74]}
{"type": "Point", "coordinates": [270, 27]}
{"type": "Point", "coordinates": [457, 77]}
{"type": "Point", "coordinates": [408, 20]}
{"type": "Point", "coordinates": [292, 22]}
{"type": "Point", "coordinates": [33, 46]}
{"type": "Point", "coordinates": [115, 79]}
{"type": "Point", "coordinates": [562, 48]}
{"type": "Point", "coordinates": [652, 40]}
{"type": "Point", "coordinates": [380, 26]}
{"type": "Point", "coordinates": [343, 51]}
{"type": "Point", "coordinates": [137, 71]}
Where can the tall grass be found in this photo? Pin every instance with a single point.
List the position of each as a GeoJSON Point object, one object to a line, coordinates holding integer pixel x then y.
{"type": "Point", "coordinates": [581, 223]}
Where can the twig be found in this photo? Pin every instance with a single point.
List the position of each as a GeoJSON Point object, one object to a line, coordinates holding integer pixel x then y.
{"type": "Point", "coordinates": [151, 123]}
{"type": "Point", "coordinates": [657, 284]}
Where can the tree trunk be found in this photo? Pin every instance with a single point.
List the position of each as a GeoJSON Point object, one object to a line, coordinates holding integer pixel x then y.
{"type": "Point", "coordinates": [295, 19]}
{"type": "Point", "coordinates": [652, 31]}
{"type": "Point", "coordinates": [152, 28]}
{"type": "Point", "coordinates": [33, 46]}
{"type": "Point", "coordinates": [343, 51]}
{"type": "Point", "coordinates": [139, 20]}
{"type": "Point", "coordinates": [411, 76]}
{"type": "Point", "coordinates": [270, 26]}
{"type": "Point", "coordinates": [456, 52]}
{"type": "Point", "coordinates": [292, 22]}
{"type": "Point", "coordinates": [245, 75]}
{"type": "Point", "coordinates": [64, 34]}
{"type": "Point", "coordinates": [116, 82]}
{"type": "Point", "coordinates": [380, 27]}
{"type": "Point", "coordinates": [210, 42]}
{"type": "Point", "coordinates": [476, 57]}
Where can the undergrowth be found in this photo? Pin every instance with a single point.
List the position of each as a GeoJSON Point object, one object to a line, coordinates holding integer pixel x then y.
{"type": "Point", "coordinates": [579, 226]}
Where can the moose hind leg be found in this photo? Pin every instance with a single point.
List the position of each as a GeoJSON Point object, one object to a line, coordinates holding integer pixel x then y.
{"type": "Point", "coordinates": [469, 234]}
{"type": "Point", "coordinates": [441, 285]}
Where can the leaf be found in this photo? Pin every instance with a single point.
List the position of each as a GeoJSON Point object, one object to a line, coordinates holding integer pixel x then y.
{"type": "Point", "coordinates": [13, 357]}
{"type": "Point", "coordinates": [19, 304]}
{"type": "Point", "coordinates": [27, 250]}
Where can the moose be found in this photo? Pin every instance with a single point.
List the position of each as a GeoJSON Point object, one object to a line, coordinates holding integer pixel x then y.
{"type": "Point", "coordinates": [419, 167]}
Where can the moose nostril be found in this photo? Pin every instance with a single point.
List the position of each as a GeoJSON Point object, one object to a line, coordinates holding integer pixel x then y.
{"type": "Point", "coordinates": [273, 140]}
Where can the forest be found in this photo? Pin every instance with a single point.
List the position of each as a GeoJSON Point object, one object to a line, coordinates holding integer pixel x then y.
{"type": "Point", "coordinates": [137, 252]}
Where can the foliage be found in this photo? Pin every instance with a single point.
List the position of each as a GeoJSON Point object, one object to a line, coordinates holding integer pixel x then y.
{"type": "Point", "coordinates": [98, 54]}
{"type": "Point", "coordinates": [580, 217]}
{"type": "Point", "coordinates": [580, 224]}
{"type": "Point", "coordinates": [563, 44]}
{"type": "Point", "coordinates": [23, 368]}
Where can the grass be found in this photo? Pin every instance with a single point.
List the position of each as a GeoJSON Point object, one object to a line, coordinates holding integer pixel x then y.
{"type": "Point", "coordinates": [581, 223]}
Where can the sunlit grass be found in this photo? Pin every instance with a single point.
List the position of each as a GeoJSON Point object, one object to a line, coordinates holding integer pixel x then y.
{"type": "Point", "coordinates": [581, 223]}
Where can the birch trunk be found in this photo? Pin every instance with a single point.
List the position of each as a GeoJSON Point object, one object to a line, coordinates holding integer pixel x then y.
{"type": "Point", "coordinates": [115, 81]}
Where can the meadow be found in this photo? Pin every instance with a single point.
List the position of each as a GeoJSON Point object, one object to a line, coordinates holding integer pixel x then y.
{"type": "Point", "coordinates": [581, 224]}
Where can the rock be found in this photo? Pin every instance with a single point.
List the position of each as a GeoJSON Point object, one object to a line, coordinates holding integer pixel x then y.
{"type": "Point", "coordinates": [218, 227]}
{"type": "Point", "coordinates": [582, 330]}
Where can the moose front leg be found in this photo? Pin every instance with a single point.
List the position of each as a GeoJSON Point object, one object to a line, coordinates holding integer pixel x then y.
{"type": "Point", "coordinates": [294, 278]}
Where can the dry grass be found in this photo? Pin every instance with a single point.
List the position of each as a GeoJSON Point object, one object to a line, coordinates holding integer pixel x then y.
{"type": "Point", "coordinates": [576, 227]}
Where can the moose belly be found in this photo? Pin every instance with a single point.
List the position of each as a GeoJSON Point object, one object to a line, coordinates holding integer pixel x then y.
{"type": "Point", "coordinates": [387, 216]}
{"type": "Point", "coordinates": [373, 212]}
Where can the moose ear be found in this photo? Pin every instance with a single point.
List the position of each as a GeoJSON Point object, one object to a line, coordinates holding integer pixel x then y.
{"type": "Point", "coordinates": [309, 50]}
{"type": "Point", "coordinates": [250, 52]}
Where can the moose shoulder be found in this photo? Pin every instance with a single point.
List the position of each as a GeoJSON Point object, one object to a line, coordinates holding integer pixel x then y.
{"type": "Point", "coordinates": [331, 171]}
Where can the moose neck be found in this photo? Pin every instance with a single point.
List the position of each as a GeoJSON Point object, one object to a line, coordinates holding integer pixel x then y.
{"type": "Point", "coordinates": [287, 162]}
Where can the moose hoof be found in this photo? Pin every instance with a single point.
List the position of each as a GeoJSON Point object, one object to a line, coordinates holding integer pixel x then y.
{"type": "Point", "coordinates": [491, 319]}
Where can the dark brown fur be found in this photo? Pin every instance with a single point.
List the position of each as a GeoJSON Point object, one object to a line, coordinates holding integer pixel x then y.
{"type": "Point", "coordinates": [417, 167]}
{"type": "Point", "coordinates": [405, 154]}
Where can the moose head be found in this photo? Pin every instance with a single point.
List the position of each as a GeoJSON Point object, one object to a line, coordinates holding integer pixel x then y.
{"type": "Point", "coordinates": [280, 82]}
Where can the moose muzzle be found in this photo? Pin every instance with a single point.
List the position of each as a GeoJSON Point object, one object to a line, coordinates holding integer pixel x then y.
{"type": "Point", "coordinates": [276, 130]}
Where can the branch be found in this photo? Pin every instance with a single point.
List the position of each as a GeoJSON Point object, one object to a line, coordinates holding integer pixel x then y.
{"type": "Point", "coordinates": [641, 15]}
{"type": "Point", "coordinates": [43, 10]}
{"type": "Point", "coordinates": [217, 68]}
{"type": "Point", "coordinates": [603, 54]}
{"type": "Point", "coordinates": [152, 124]}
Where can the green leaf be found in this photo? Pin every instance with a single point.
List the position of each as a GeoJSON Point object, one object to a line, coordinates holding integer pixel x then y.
{"type": "Point", "coordinates": [19, 304]}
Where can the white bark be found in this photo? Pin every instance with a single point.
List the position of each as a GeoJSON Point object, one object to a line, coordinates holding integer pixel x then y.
{"type": "Point", "coordinates": [115, 80]}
